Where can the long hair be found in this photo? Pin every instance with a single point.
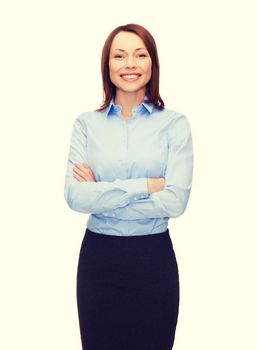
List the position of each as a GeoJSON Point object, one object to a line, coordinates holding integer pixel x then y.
{"type": "Point", "coordinates": [152, 87]}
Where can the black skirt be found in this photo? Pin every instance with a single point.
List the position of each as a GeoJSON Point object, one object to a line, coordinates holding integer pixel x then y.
{"type": "Point", "coordinates": [127, 292]}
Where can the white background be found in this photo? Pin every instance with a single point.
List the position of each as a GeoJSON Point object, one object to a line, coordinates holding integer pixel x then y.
{"type": "Point", "coordinates": [50, 73]}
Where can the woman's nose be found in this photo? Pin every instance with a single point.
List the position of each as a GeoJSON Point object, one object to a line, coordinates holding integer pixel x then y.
{"type": "Point", "coordinates": [130, 62]}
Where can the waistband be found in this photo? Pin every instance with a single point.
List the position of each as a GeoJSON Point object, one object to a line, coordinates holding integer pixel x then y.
{"type": "Point", "coordinates": [108, 236]}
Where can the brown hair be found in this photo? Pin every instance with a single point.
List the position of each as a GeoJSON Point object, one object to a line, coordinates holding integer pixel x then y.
{"type": "Point", "coordinates": [152, 87]}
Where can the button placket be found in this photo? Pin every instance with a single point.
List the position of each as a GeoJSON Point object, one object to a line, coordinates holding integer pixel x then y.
{"type": "Point", "coordinates": [125, 145]}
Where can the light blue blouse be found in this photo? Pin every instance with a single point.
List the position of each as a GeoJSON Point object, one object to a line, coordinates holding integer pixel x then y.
{"type": "Point", "coordinates": [122, 154]}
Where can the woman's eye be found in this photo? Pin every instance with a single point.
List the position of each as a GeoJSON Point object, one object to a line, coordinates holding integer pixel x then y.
{"type": "Point", "coordinates": [140, 55]}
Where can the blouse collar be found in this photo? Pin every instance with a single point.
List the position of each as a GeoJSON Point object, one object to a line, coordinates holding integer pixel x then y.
{"type": "Point", "coordinates": [142, 108]}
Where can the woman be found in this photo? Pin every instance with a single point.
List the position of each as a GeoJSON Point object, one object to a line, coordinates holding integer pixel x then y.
{"type": "Point", "coordinates": [130, 166]}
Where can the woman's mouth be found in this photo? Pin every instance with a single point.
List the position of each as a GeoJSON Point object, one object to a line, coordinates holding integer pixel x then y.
{"type": "Point", "coordinates": [130, 77]}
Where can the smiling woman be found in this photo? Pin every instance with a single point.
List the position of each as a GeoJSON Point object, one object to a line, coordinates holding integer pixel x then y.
{"type": "Point", "coordinates": [130, 166]}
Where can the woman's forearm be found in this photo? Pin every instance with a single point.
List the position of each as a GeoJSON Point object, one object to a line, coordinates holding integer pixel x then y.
{"type": "Point", "coordinates": [82, 172]}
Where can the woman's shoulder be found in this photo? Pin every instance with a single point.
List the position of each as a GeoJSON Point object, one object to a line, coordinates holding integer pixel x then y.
{"type": "Point", "coordinates": [171, 114]}
{"type": "Point", "coordinates": [175, 122]}
{"type": "Point", "coordinates": [87, 116]}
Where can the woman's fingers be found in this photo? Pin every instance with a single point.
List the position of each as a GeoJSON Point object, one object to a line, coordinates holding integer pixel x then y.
{"type": "Point", "coordinates": [82, 172]}
{"type": "Point", "coordinates": [90, 172]}
{"type": "Point", "coordinates": [78, 177]}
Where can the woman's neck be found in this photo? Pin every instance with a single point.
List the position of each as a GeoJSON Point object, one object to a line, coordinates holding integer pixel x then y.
{"type": "Point", "coordinates": [129, 100]}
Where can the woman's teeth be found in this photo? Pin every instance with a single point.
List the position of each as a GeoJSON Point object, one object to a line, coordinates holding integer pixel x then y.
{"type": "Point", "coordinates": [130, 77]}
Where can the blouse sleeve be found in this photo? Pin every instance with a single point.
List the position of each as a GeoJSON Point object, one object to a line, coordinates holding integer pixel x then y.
{"type": "Point", "coordinates": [96, 197]}
{"type": "Point", "coordinates": [172, 200]}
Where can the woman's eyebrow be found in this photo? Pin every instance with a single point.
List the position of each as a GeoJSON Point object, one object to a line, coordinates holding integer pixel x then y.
{"type": "Point", "coordinates": [135, 49]}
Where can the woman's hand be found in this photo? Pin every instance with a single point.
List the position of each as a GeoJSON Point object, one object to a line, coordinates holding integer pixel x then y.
{"type": "Point", "coordinates": [82, 172]}
{"type": "Point", "coordinates": [155, 185]}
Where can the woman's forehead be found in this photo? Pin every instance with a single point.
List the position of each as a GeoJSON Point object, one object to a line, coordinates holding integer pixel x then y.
{"type": "Point", "coordinates": [127, 41]}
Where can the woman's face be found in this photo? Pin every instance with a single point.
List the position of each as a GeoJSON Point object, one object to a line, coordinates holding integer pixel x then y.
{"type": "Point", "coordinates": [130, 64]}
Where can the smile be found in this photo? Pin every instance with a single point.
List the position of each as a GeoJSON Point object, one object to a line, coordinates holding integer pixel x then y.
{"type": "Point", "coordinates": [130, 77]}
